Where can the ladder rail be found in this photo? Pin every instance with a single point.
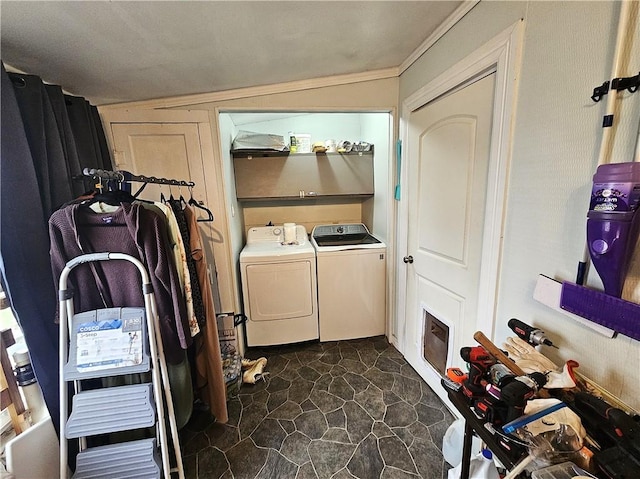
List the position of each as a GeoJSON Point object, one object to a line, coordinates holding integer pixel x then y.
{"type": "Point", "coordinates": [63, 393]}
{"type": "Point", "coordinates": [170, 409]}
{"type": "Point", "coordinates": [160, 380]}
{"type": "Point", "coordinates": [161, 431]}
{"type": "Point", "coordinates": [66, 316]}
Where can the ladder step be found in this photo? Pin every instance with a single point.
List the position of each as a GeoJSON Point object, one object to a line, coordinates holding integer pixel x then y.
{"type": "Point", "coordinates": [106, 410]}
{"type": "Point", "coordinates": [133, 459]}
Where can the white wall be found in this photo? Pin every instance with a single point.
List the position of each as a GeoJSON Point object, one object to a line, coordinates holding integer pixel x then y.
{"type": "Point", "coordinates": [373, 127]}
{"type": "Point", "coordinates": [378, 128]}
{"type": "Point", "coordinates": [568, 48]}
{"type": "Point", "coordinates": [321, 126]}
{"type": "Point", "coordinates": [227, 134]}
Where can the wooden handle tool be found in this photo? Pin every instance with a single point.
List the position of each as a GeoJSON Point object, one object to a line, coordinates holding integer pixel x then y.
{"type": "Point", "coordinates": [497, 353]}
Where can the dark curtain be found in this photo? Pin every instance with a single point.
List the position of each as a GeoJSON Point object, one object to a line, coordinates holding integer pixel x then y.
{"type": "Point", "coordinates": [46, 140]}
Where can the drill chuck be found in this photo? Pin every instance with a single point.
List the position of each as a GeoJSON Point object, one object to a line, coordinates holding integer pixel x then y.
{"type": "Point", "coordinates": [538, 337]}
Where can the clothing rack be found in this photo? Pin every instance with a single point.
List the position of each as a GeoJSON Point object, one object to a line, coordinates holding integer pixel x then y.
{"type": "Point", "coordinates": [122, 176]}
{"type": "Point", "coordinates": [125, 176]}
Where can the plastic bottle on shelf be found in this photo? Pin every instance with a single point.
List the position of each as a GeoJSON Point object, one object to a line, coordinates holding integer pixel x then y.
{"type": "Point", "coordinates": [293, 143]}
{"type": "Point", "coordinates": [481, 466]}
{"type": "Point", "coordinates": [26, 379]}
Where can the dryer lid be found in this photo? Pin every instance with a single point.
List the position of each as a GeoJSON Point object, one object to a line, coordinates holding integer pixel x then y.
{"type": "Point", "coordinates": [272, 251]}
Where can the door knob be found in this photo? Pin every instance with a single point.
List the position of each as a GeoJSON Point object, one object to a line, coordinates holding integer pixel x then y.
{"type": "Point", "coordinates": [408, 259]}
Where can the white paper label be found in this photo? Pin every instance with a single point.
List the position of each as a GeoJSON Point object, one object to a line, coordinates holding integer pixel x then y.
{"type": "Point", "coordinates": [111, 343]}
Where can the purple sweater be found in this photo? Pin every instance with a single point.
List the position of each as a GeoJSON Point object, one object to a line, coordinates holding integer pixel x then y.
{"type": "Point", "coordinates": [75, 230]}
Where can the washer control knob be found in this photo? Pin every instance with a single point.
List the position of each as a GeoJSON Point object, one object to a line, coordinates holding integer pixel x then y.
{"type": "Point", "coordinates": [277, 231]}
{"type": "Point", "coordinates": [340, 229]}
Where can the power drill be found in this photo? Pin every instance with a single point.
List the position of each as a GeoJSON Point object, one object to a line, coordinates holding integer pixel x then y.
{"type": "Point", "coordinates": [518, 391]}
{"type": "Point", "coordinates": [479, 361]}
{"type": "Point", "coordinates": [528, 333]}
{"type": "Point", "coordinates": [617, 432]}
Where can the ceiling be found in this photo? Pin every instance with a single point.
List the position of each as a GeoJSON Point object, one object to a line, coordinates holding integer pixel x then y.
{"type": "Point", "coordinates": [119, 51]}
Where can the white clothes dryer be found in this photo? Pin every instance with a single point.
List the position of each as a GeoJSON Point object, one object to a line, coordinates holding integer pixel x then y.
{"type": "Point", "coordinates": [279, 287]}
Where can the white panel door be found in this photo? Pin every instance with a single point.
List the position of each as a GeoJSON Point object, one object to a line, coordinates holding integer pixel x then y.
{"type": "Point", "coordinates": [449, 143]}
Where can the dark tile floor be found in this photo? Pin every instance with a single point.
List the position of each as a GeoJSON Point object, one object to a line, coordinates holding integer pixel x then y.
{"type": "Point", "coordinates": [348, 409]}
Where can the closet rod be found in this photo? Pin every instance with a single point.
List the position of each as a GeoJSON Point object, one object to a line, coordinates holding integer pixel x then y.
{"type": "Point", "coordinates": [120, 176]}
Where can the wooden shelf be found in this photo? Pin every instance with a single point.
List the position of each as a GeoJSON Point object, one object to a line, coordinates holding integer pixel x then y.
{"type": "Point", "coordinates": [269, 175]}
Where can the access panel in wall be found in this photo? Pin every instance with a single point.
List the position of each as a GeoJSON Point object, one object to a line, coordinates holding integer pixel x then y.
{"type": "Point", "coordinates": [279, 175]}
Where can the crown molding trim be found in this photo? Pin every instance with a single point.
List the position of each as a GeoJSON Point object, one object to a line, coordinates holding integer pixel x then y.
{"type": "Point", "coordinates": [454, 18]}
{"type": "Point", "coordinates": [235, 94]}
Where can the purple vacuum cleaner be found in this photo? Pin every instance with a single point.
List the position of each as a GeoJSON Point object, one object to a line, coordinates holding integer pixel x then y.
{"type": "Point", "coordinates": [613, 225]}
{"type": "Point", "coordinates": [614, 222]}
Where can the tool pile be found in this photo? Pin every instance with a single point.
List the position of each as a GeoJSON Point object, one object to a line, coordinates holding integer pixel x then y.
{"type": "Point", "coordinates": [534, 407]}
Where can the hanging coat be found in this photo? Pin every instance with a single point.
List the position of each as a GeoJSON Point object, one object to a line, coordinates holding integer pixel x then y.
{"type": "Point", "coordinates": [209, 376]}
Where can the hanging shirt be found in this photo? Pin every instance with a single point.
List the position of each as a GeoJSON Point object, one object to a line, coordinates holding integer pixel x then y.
{"type": "Point", "coordinates": [180, 256]}
{"type": "Point", "coordinates": [196, 294]}
{"type": "Point", "coordinates": [131, 229]}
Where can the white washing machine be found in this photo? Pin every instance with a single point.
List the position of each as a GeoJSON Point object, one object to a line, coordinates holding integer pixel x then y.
{"type": "Point", "coordinates": [279, 287]}
{"type": "Point", "coordinates": [352, 282]}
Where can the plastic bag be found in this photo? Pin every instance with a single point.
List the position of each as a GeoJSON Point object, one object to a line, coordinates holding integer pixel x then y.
{"type": "Point", "coordinates": [248, 140]}
{"type": "Point", "coordinates": [481, 466]}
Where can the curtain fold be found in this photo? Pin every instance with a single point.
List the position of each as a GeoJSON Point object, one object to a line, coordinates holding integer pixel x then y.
{"type": "Point", "coordinates": [87, 131]}
{"type": "Point", "coordinates": [24, 248]}
{"type": "Point", "coordinates": [44, 141]}
{"type": "Point", "coordinates": [58, 103]}
{"type": "Point", "coordinates": [47, 138]}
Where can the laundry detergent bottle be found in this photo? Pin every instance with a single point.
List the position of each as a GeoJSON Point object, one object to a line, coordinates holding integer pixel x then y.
{"type": "Point", "coordinates": [481, 466]}
{"type": "Point", "coordinates": [613, 222]}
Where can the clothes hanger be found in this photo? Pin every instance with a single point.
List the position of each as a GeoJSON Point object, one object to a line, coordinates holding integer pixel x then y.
{"type": "Point", "coordinates": [163, 185]}
{"type": "Point", "coordinates": [193, 202]}
{"type": "Point", "coordinates": [183, 202]}
{"type": "Point", "coordinates": [112, 196]}
{"type": "Point", "coordinates": [176, 204]}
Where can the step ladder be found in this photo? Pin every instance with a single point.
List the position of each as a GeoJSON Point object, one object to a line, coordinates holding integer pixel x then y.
{"type": "Point", "coordinates": [113, 342]}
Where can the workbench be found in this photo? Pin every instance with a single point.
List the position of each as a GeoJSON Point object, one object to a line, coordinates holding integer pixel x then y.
{"type": "Point", "coordinates": [472, 423]}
